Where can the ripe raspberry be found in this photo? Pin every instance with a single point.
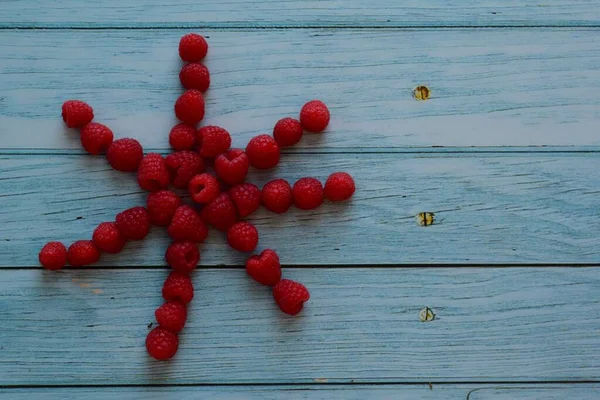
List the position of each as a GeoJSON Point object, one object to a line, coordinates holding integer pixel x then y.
{"type": "Point", "coordinates": [339, 186]}
{"type": "Point", "coordinates": [83, 252]}
{"type": "Point", "coordinates": [220, 213]}
{"type": "Point", "coordinates": [204, 188]}
{"type": "Point", "coordinates": [133, 223]}
{"type": "Point", "coordinates": [125, 154]}
{"type": "Point", "coordinates": [108, 239]}
{"type": "Point", "coordinates": [307, 193]}
{"type": "Point", "coordinates": [178, 286]}
{"type": "Point", "coordinates": [263, 152]}
{"type": "Point", "coordinates": [246, 198]}
{"type": "Point", "coordinates": [183, 256]}
{"type": "Point", "coordinates": [232, 167]}
{"type": "Point", "coordinates": [53, 255]}
{"type": "Point", "coordinates": [182, 137]}
{"type": "Point", "coordinates": [242, 236]}
{"type": "Point", "coordinates": [76, 113]}
{"type": "Point", "coordinates": [192, 47]}
{"type": "Point", "coordinates": [161, 343]}
{"type": "Point", "coordinates": [287, 132]}
{"type": "Point", "coordinates": [187, 225]}
{"type": "Point", "coordinates": [277, 196]}
{"type": "Point", "coordinates": [314, 116]}
{"type": "Point", "coordinates": [161, 206]}
{"type": "Point", "coordinates": [96, 138]}
{"type": "Point", "coordinates": [183, 166]}
{"type": "Point", "coordinates": [195, 76]}
{"type": "Point", "coordinates": [213, 140]}
{"type": "Point", "coordinates": [152, 173]}
{"type": "Point", "coordinates": [171, 316]}
{"type": "Point", "coordinates": [189, 107]}
{"type": "Point", "coordinates": [290, 296]}
{"type": "Point", "coordinates": [264, 268]}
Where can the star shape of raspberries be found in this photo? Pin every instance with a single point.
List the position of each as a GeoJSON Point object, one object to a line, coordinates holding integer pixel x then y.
{"type": "Point", "coordinates": [221, 199]}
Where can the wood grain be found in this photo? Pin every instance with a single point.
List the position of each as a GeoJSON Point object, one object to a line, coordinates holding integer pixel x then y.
{"type": "Point", "coordinates": [500, 87]}
{"type": "Point", "coordinates": [548, 392]}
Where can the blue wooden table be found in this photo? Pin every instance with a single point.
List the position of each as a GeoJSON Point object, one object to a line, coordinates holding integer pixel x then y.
{"type": "Point", "coordinates": [505, 153]}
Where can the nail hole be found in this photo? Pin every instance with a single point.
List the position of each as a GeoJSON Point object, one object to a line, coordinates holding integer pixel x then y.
{"type": "Point", "coordinates": [425, 218]}
{"type": "Point", "coordinates": [421, 93]}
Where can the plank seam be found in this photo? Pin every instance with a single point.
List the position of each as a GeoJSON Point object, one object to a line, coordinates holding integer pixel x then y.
{"type": "Point", "coordinates": [233, 26]}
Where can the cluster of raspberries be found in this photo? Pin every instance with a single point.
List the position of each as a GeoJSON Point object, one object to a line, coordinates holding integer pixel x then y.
{"type": "Point", "coordinates": [221, 199]}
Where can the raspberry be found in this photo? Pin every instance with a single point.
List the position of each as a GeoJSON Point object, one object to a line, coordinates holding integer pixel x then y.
{"type": "Point", "coordinates": [189, 107]}
{"type": "Point", "coordinates": [220, 213]}
{"type": "Point", "coordinates": [246, 198]}
{"type": "Point", "coordinates": [192, 47]}
{"type": "Point", "coordinates": [107, 238]}
{"type": "Point", "coordinates": [171, 316]}
{"type": "Point", "coordinates": [232, 166]}
{"type": "Point", "coordinates": [195, 76]}
{"type": "Point", "coordinates": [277, 196]}
{"type": "Point", "coordinates": [76, 113]}
{"type": "Point", "coordinates": [183, 256]}
{"type": "Point", "coordinates": [204, 188]}
{"type": "Point", "coordinates": [287, 132]}
{"type": "Point", "coordinates": [96, 138]}
{"type": "Point", "coordinates": [307, 193]}
{"type": "Point", "coordinates": [242, 236]}
{"type": "Point", "coordinates": [152, 173]}
{"type": "Point", "coordinates": [178, 286]}
{"type": "Point", "coordinates": [263, 152]}
{"type": "Point", "coordinates": [290, 296]}
{"type": "Point", "coordinates": [83, 252]}
{"type": "Point", "coordinates": [187, 225]}
{"type": "Point", "coordinates": [339, 186]}
{"type": "Point", "coordinates": [53, 255]}
{"type": "Point", "coordinates": [213, 140]}
{"type": "Point", "coordinates": [182, 137]}
{"type": "Point", "coordinates": [133, 223]}
{"type": "Point", "coordinates": [264, 268]}
{"type": "Point", "coordinates": [161, 343]}
{"type": "Point", "coordinates": [161, 206]}
{"type": "Point", "coordinates": [183, 166]}
{"type": "Point", "coordinates": [314, 116]}
{"type": "Point", "coordinates": [125, 154]}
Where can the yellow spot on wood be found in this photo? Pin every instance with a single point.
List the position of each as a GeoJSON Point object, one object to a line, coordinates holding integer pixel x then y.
{"type": "Point", "coordinates": [426, 218]}
{"type": "Point", "coordinates": [421, 92]}
{"type": "Point", "coordinates": [321, 380]}
{"type": "Point", "coordinates": [97, 291]}
{"type": "Point", "coordinates": [426, 315]}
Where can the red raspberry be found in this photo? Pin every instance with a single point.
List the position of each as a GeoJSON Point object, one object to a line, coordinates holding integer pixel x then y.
{"type": "Point", "coordinates": [264, 268]}
{"type": "Point", "coordinates": [339, 186]}
{"type": "Point", "coordinates": [287, 132]}
{"type": "Point", "coordinates": [161, 206]}
{"type": "Point", "coordinates": [161, 343]}
{"type": "Point", "coordinates": [246, 198]}
{"type": "Point", "coordinates": [125, 154]}
{"type": "Point", "coordinates": [183, 256]}
{"type": "Point", "coordinates": [195, 76]}
{"type": "Point", "coordinates": [183, 166]}
{"type": "Point", "coordinates": [171, 316]}
{"type": "Point", "coordinates": [96, 138]}
{"type": "Point", "coordinates": [213, 140]}
{"type": "Point", "coordinates": [204, 188]}
{"type": "Point", "coordinates": [189, 107]}
{"type": "Point", "coordinates": [307, 193]}
{"type": "Point", "coordinates": [182, 137]}
{"type": "Point", "coordinates": [187, 225]}
{"type": "Point", "coordinates": [242, 236]}
{"type": "Point", "coordinates": [290, 296]}
{"type": "Point", "coordinates": [192, 47]}
{"type": "Point", "coordinates": [76, 113]}
{"type": "Point", "coordinates": [152, 173]}
{"type": "Point", "coordinates": [263, 152]}
{"type": "Point", "coordinates": [133, 223]}
{"type": "Point", "coordinates": [277, 196]}
{"type": "Point", "coordinates": [232, 166]}
{"type": "Point", "coordinates": [108, 239]}
{"type": "Point", "coordinates": [220, 213]}
{"type": "Point", "coordinates": [314, 116]}
{"type": "Point", "coordinates": [83, 252]}
{"type": "Point", "coordinates": [53, 255]}
{"type": "Point", "coordinates": [178, 286]}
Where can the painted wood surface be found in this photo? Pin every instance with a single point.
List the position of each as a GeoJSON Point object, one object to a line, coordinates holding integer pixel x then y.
{"type": "Point", "coordinates": [499, 87]}
{"type": "Point", "coordinates": [361, 325]}
{"type": "Point", "coordinates": [548, 392]}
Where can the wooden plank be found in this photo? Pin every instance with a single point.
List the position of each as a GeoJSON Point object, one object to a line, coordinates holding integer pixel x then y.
{"type": "Point", "coordinates": [524, 87]}
{"type": "Point", "coordinates": [548, 392]}
{"type": "Point", "coordinates": [361, 325]}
